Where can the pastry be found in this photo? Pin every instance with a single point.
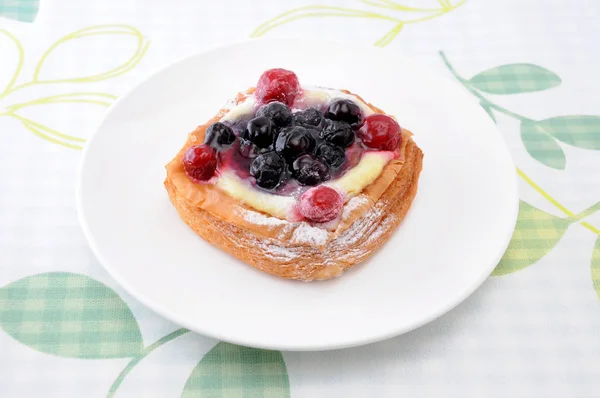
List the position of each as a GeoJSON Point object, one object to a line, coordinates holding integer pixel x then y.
{"type": "Point", "coordinates": [300, 182]}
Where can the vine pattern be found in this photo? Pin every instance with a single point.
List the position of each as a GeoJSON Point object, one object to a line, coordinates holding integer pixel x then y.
{"type": "Point", "coordinates": [387, 11]}
{"type": "Point", "coordinates": [537, 232]}
{"type": "Point", "coordinates": [78, 97]}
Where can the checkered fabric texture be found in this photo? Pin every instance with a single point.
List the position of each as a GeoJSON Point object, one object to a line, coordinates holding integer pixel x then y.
{"type": "Point", "coordinates": [20, 10]}
{"type": "Point", "coordinates": [229, 370]}
{"type": "Point", "coordinates": [69, 315]}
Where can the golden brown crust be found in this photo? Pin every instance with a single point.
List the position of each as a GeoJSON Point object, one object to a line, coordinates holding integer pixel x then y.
{"type": "Point", "coordinates": [286, 259]}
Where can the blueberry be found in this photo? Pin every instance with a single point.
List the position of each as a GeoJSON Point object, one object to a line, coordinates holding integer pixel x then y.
{"type": "Point", "coordinates": [219, 136]}
{"type": "Point", "coordinates": [260, 131]}
{"type": "Point", "coordinates": [277, 112]}
{"type": "Point", "coordinates": [249, 150]}
{"type": "Point", "coordinates": [309, 170]}
{"type": "Point", "coordinates": [338, 133]}
{"type": "Point", "coordinates": [308, 117]}
{"type": "Point", "coordinates": [294, 141]}
{"type": "Point", "coordinates": [333, 156]}
{"type": "Point", "coordinates": [344, 110]}
{"type": "Point", "coordinates": [268, 169]}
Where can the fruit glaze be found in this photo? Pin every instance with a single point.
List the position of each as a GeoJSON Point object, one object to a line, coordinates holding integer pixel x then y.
{"type": "Point", "coordinates": [295, 153]}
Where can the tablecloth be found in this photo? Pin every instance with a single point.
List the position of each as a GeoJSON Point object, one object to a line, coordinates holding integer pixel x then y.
{"type": "Point", "coordinates": [531, 330]}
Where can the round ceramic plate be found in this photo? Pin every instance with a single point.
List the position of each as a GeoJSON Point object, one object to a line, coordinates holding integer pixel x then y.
{"type": "Point", "coordinates": [456, 231]}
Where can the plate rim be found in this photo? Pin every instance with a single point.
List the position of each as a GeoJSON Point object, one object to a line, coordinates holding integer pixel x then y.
{"type": "Point", "coordinates": [165, 313]}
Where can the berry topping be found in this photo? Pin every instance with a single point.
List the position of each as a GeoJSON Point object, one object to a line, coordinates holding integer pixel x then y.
{"type": "Point", "coordinates": [308, 117]}
{"type": "Point", "coordinates": [277, 112]}
{"type": "Point", "coordinates": [219, 136]}
{"type": "Point", "coordinates": [260, 131]}
{"type": "Point", "coordinates": [321, 204]}
{"type": "Point", "coordinates": [267, 169]}
{"type": "Point", "coordinates": [200, 163]}
{"type": "Point", "coordinates": [344, 110]}
{"type": "Point", "coordinates": [333, 156]}
{"type": "Point", "coordinates": [278, 85]}
{"type": "Point", "coordinates": [249, 150]}
{"type": "Point", "coordinates": [338, 133]}
{"type": "Point", "coordinates": [381, 132]}
{"type": "Point", "coordinates": [309, 170]}
{"type": "Point", "coordinates": [294, 141]}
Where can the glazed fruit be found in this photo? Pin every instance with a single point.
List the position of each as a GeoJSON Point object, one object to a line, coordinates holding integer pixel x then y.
{"type": "Point", "coordinates": [200, 163]}
{"type": "Point", "coordinates": [294, 141]}
{"type": "Point", "coordinates": [380, 132]}
{"type": "Point", "coordinates": [260, 132]}
{"type": "Point", "coordinates": [310, 117]}
{"type": "Point", "coordinates": [338, 133]}
{"type": "Point", "coordinates": [278, 85]}
{"type": "Point", "coordinates": [332, 155]}
{"type": "Point", "coordinates": [248, 150]}
{"type": "Point", "coordinates": [278, 112]}
{"type": "Point", "coordinates": [321, 204]}
{"type": "Point", "coordinates": [219, 136]}
{"type": "Point", "coordinates": [268, 169]}
{"type": "Point", "coordinates": [309, 170]}
{"type": "Point", "coordinates": [344, 110]}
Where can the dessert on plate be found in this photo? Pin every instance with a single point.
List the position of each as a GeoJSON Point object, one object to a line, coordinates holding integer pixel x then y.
{"type": "Point", "coordinates": [301, 182]}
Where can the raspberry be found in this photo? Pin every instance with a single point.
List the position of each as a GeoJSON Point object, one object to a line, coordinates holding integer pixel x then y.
{"type": "Point", "coordinates": [200, 163]}
{"type": "Point", "coordinates": [321, 204]}
{"type": "Point", "coordinates": [380, 132]}
{"type": "Point", "coordinates": [278, 85]}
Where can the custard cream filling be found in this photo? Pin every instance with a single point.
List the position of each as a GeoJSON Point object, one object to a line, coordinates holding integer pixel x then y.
{"type": "Point", "coordinates": [350, 184]}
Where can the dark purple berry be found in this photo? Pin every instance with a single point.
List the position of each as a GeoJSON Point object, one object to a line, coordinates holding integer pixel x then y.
{"type": "Point", "coordinates": [309, 170]}
{"type": "Point", "coordinates": [219, 136]}
{"type": "Point", "coordinates": [260, 131]}
{"type": "Point", "coordinates": [307, 118]}
{"type": "Point", "coordinates": [338, 133]}
{"type": "Point", "coordinates": [294, 141]}
{"type": "Point", "coordinates": [332, 155]}
{"type": "Point", "coordinates": [277, 112]}
{"type": "Point", "coordinates": [249, 150]}
{"type": "Point", "coordinates": [268, 169]}
{"type": "Point", "coordinates": [344, 110]}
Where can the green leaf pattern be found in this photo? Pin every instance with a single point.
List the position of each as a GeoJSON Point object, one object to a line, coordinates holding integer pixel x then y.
{"type": "Point", "coordinates": [536, 233]}
{"type": "Point", "coordinates": [234, 371]}
{"type": "Point", "coordinates": [582, 131]}
{"type": "Point", "coordinates": [69, 315]}
{"type": "Point", "coordinates": [541, 146]}
{"type": "Point", "coordinates": [596, 267]}
{"type": "Point", "coordinates": [515, 78]}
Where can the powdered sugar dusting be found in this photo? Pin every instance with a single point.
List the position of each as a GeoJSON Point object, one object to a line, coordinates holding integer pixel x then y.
{"type": "Point", "coordinates": [307, 234]}
{"type": "Point", "coordinates": [256, 218]}
{"type": "Point", "coordinates": [361, 227]}
{"type": "Point", "coordinates": [353, 204]}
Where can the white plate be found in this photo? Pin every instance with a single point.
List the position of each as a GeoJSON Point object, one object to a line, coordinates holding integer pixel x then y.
{"type": "Point", "coordinates": [455, 233]}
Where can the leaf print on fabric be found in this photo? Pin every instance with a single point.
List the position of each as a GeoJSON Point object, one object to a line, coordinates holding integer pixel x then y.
{"type": "Point", "coordinates": [383, 10]}
{"type": "Point", "coordinates": [19, 10]}
{"type": "Point", "coordinates": [69, 315]}
{"type": "Point", "coordinates": [541, 146]}
{"type": "Point", "coordinates": [514, 79]}
{"type": "Point", "coordinates": [63, 96]}
{"type": "Point", "coordinates": [582, 131]}
{"type": "Point", "coordinates": [536, 233]}
{"type": "Point", "coordinates": [595, 269]}
{"type": "Point", "coordinates": [233, 370]}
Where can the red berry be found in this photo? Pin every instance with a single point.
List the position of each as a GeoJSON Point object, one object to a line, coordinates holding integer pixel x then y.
{"type": "Point", "coordinates": [380, 132]}
{"type": "Point", "coordinates": [278, 85]}
{"type": "Point", "coordinates": [321, 204]}
{"type": "Point", "coordinates": [200, 163]}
